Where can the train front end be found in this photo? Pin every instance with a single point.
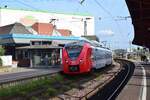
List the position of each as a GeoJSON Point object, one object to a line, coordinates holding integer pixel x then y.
{"type": "Point", "coordinates": [77, 58]}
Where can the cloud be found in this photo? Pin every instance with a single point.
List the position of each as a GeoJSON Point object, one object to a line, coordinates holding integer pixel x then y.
{"type": "Point", "coordinates": [106, 32]}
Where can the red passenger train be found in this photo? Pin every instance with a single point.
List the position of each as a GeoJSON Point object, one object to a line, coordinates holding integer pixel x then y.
{"type": "Point", "coordinates": [83, 56]}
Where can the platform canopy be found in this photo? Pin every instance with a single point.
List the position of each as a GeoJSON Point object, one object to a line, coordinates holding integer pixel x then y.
{"type": "Point", "coordinates": [140, 14]}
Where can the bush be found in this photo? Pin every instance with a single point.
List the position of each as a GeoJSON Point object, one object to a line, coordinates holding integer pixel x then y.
{"type": "Point", "coordinates": [0, 62]}
{"type": "Point", "coordinates": [2, 51]}
{"type": "Point", "coordinates": [33, 85]}
{"type": "Point", "coordinates": [34, 98]}
{"type": "Point", "coordinates": [59, 77]}
{"type": "Point", "coordinates": [51, 91]}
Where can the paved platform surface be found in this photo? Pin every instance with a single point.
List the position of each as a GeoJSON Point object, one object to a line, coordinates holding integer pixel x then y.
{"type": "Point", "coordinates": [27, 73]}
{"type": "Point", "coordinates": [135, 89]}
{"type": "Point", "coordinates": [147, 68]}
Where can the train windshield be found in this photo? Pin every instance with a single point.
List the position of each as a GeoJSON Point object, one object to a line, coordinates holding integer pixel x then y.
{"type": "Point", "coordinates": [74, 51]}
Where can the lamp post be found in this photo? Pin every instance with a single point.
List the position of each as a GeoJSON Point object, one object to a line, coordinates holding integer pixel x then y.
{"type": "Point", "coordinates": [53, 20]}
{"type": "Point", "coordinates": [130, 44]}
{"type": "Point", "coordinates": [85, 26]}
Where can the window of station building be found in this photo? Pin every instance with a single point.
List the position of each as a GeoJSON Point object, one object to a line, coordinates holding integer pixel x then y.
{"type": "Point", "coordinates": [19, 54]}
{"type": "Point", "coordinates": [61, 45]}
{"type": "Point", "coordinates": [35, 42]}
{"type": "Point", "coordinates": [46, 42]}
{"type": "Point", "coordinates": [41, 42]}
{"type": "Point", "coordinates": [25, 54]}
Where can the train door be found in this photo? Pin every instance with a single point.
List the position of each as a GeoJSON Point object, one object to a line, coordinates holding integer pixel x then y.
{"type": "Point", "coordinates": [98, 58]}
{"type": "Point", "coordinates": [101, 61]}
{"type": "Point", "coordinates": [105, 58]}
{"type": "Point", "coordinates": [88, 58]}
{"type": "Point", "coordinates": [93, 57]}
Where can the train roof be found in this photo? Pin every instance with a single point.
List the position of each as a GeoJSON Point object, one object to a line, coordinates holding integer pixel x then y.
{"type": "Point", "coordinates": [104, 49]}
{"type": "Point", "coordinates": [79, 43]}
{"type": "Point", "coordinates": [94, 44]}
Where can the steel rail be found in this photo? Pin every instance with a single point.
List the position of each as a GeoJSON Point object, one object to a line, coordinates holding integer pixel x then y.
{"type": "Point", "coordinates": [113, 94]}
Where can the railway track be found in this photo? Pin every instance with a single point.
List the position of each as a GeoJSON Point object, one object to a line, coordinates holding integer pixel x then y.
{"type": "Point", "coordinates": [112, 89]}
{"type": "Point", "coordinates": [92, 86]}
{"type": "Point", "coordinates": [105, 90]}
{"type": "Point", "coordinates": [88, 87]}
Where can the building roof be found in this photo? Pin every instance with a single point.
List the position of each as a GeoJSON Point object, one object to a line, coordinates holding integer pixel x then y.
{"type": "Point", "coordinates": [39, 47]}
{"type": "Point", "coordinates": [140, 14]}
{"type": "Point", "coordinates": [43, 28]}
{"type": "Point", "coordinates": [64, 32]}
{"type": "Point", "coordinates": [18, 33]}
{"type": "Point", "coordinates": [16, 28]}
{"type": "Point", "coordinates": [33, 36]}
{"type": "Point", "coordinates": [26, 38]}
{"type": "Point", "coordinates": [50, 29]}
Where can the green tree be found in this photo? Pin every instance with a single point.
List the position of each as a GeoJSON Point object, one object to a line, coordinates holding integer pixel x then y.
{"type": "Point", "coordinates": [2, 51]}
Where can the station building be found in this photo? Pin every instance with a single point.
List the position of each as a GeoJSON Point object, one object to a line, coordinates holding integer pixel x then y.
{"type": "Point", "coordinates": [34, 49]}
{"type": "Point", "coordinates": [36, 38]}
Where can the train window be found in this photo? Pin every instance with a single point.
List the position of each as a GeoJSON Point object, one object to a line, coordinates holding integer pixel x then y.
{"type": "Point", "coordinates": [74, 51]}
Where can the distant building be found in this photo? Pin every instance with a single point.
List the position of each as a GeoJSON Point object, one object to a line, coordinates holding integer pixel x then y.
{"type": "Point", "coordinates": [35, 38]}
{"type": "Point", "coordinates": [30, 45]}
{"type": "Point", "coordinates": [119, 53]}
{"type": "Point", "coordinates": [77, 24]}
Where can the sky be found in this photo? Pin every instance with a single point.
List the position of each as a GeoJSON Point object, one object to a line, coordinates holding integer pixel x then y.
{"type": "Point", "coordinates": [110, 24]}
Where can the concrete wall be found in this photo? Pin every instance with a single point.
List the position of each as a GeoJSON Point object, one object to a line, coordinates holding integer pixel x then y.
{"type": "Point", "coordinates": [6, 60]}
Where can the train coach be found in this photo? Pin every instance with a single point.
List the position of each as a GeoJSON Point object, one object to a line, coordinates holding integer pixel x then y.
{"type": "Point", "coordinates": [82, 57]}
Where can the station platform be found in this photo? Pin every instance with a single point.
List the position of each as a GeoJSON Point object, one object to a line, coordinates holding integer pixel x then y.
{"type": "Point", "coordinates": [27, 73]}
{"type": "Point", "coordinates": [138, 87]}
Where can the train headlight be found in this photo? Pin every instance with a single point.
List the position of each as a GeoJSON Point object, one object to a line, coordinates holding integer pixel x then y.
{"type": "Point", "coordinates": [92, 57]}
{"type": "Point", "coordinates": [80, 60]}
{"type": "Point", "coordinates": [66, 61]}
